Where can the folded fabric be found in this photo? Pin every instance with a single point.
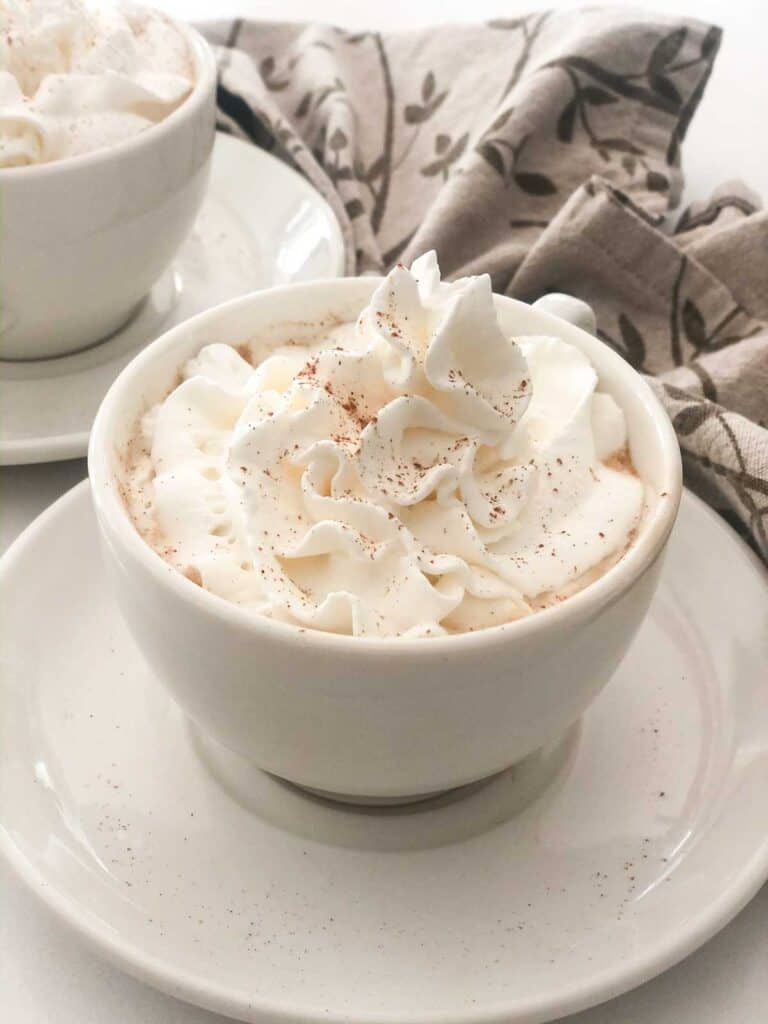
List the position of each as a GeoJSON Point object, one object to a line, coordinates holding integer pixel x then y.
{"type": "Point", "coordinates": [544, 150]}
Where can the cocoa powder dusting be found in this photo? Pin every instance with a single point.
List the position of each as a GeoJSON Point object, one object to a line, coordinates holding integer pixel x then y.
{"type": "Point", "coordinates": [193, 575]}
{"type": "Point", "coordinates": [621, 462]}
{"type": "Point", "coordinates": [244, 351]}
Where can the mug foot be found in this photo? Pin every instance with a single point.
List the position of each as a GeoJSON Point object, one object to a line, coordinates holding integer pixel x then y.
{"type": "Point", "coordinates": [522, 781]}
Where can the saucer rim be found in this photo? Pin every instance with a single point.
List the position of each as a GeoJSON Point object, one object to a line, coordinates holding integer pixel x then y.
{"type": "Point", "coordinates": [29, 451]}
{"type": "Point", "coordinates": [157, 972]}
{"type": "Point", "coordinates": [36, 451]}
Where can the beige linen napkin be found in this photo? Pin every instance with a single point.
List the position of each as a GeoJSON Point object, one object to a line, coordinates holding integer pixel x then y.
{"type": "Point", "coordinates": [544, 150]}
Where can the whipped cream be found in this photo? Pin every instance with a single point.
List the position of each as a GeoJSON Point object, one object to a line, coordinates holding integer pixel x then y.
{"type": "Point", "coordinates": [415, 473]}
{"type": "Point", "coordinates": [76, 76]}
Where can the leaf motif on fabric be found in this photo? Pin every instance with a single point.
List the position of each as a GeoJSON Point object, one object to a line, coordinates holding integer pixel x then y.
{"type": "Point", "coordinates": [303, 108]}
{"type": "Point", "coordinates": [376, 169]}
{"type": "Point", "coordinates": [632, 339]}
{"type": "Point", "coordinates": [622, 146]}
{"type": "Point", "coordinates": [693, 324]}
{"type": "Point", "coordinates": [493, 156]}
{"type": "Point", "coordinates": [596, 96]}
{"type": "Point", "coordinates": [526, 222]}
{"type": "Point", "coordinates": [665, 87]}
{"type": "Point", "coordinates": [691, 418]}
{"type": "Point", "coordinates": [267, 71]}
{"type": "Point", "coordinates": [501, 119]}
{"type": "Point", "coordinates": [418, 113]}
{"type": "Point", "coordinates": [354, 208]}
{"type": "Point", "coordinates": [458, 148]}
{"type": "Point", "coordinates": [567, 121]}
{"type": "Point", "coordinates": [508, 24]}
{"type": "Point", "coordinates": [656, 182]}
{"type": "Point", "coordinates": [415, 114]}
{"type": "Point", "coordinates": [449, 154]}
{"type": "Point", "coordinates": [665, 51]}
{"type": "Point", "coordinates": [534, 184]}
{"type": "Point", "coordinates": [338, 140]}
{"type": "Point", "coordinates": [710, 42]}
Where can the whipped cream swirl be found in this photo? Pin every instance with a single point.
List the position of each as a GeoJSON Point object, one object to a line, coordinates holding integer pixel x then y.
{"type": "Point", "coordinates": [76, 76]}
{"type": "Point", "coordinates": [415, 473]}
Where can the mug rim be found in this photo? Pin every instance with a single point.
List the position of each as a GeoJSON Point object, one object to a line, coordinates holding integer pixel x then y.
{"type": "Point", "coordinates": [115, 520]}
{"type": "Point", "coordinates": [205, 82]}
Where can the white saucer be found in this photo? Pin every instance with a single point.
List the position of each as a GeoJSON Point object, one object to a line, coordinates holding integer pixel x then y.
{"type": "Point", "coordinates": [261, 224]}
{"type": "Point", "coordinates": [546, 890]}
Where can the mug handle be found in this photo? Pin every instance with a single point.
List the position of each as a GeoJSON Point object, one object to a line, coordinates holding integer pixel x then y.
{"type": "Point", "coordinates": [566, 307]}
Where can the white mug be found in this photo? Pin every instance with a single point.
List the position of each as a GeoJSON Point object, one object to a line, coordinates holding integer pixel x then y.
{"type": "Point", "coordinates": [362, 718]}
{"type": "Point", "coordinates": [83, 239]}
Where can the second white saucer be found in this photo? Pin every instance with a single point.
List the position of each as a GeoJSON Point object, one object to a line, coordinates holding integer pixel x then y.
{"type": "Point", "coordinates": [261, 224]}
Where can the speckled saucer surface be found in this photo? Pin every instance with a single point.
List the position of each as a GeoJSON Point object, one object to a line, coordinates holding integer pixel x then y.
{"type": "Point", "coordinates": [583, 872]}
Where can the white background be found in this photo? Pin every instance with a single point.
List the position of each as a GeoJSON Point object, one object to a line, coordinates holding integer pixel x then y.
{"type": "Point", "coordinates": [44, 974]}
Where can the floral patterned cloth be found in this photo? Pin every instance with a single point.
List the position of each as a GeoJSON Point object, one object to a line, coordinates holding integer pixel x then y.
{"type": "Point", "coordinates": [544, 150]}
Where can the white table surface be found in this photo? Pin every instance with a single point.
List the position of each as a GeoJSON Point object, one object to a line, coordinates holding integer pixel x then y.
{"type": "Point", "coordinates": [45, 975]}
